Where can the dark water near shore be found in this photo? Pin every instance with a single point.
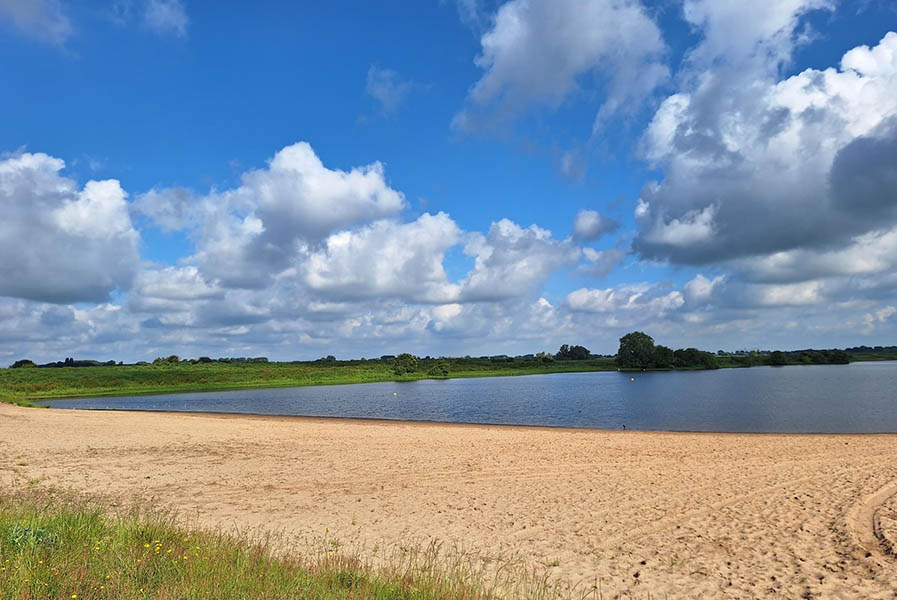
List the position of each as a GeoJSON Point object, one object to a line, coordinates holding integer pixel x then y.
{"type": "Point", "coordinates": [856, 398]}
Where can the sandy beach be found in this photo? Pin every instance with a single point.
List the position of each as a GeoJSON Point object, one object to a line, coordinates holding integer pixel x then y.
{"type": "Point", "coordinates": [644, 513]}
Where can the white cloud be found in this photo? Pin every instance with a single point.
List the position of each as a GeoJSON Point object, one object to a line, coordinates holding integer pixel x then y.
{"type": "Point", "coordinates": [785, 294]}
{"type": "Point", "coordinates": [700, 289]}
{"type": "Point", "coordinates": [510, 261]}
{"type": "Point", "coordinates": [601, 262]}
{"type": "Point", "coordinates": [386, 260]}
{"type": "Point", "coordinates": [166, 17]}
{"type": "Point", "coordinates": [589, 225]}
{"type": "Point", "coordinates": [538, 52]}
{"type": "Point", "coordinates": [754, 166]}
{"type": "Point", "coordinates": [42, 19]}
{"type": "Point", "coordinates": [867, 254]}
{"type": "Point", "coordinates": [737, 32]}
{"type": "Point", "coordinates": [59, 243]}
{"type": "Point", "coordinates": [388, 88]}
{"type": "Point", "coordinates": [172, 209]}
{"type": "Point", "coordinates": [649, 301]}
{"type": "Point", "coordinates": [246, 235]}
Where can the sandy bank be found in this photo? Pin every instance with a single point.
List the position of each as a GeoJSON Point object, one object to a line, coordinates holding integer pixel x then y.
{"type": "Point", "coordinates": [693, 515]}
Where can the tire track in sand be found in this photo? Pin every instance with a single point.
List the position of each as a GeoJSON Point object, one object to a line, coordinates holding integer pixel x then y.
{"type": "Point", "coordinates": [865, 526]}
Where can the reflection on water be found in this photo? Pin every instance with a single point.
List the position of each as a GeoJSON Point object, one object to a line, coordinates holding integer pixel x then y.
{"type": "Point", "coordinates": [861, 398]}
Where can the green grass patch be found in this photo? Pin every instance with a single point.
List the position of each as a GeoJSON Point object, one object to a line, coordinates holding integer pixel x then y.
{"type": "Point", "coordinates": [56, 545]}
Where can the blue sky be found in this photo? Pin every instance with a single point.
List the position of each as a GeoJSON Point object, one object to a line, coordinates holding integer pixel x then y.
{"type": "Point", "coordinates": [465, 177]}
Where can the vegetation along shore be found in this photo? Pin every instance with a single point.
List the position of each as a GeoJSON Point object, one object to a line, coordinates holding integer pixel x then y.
{"type": "Point", "coordinates": [26, 381]}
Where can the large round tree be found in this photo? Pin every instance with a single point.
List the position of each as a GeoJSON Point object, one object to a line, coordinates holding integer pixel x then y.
{"type": "Point", "coordinates": [636, 351]}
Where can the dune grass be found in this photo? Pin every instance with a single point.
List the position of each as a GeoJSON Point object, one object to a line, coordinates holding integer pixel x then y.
{"type": "Point", "coordinates": [55, 545]}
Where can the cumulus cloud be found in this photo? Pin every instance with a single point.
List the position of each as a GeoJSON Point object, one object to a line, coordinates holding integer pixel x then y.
{"type": "Point", "coordinates": [388, 88]}
{"type": "Point", "coordinates": [510, 261]}
{"type": "Point", "coordinates": [873, 319]}
{"type": "Point", "coordinates": [867, 254]}
{"type": "Point", "coordinates": [601, 262]}
{"type": "Point", "coordinates": [60, 243]}
{"type": "Point", "coordinates": [649, 301]}
{"type": "Point", "coordinates": [770, 166]}
{"type": "Point", "coordinates": [589, 225]}
{"type": "Point", "coordinates": [247, 234]}
{"type": "Point", "coordinates": [41, 19]}
{"type": "Point", "coordinates": [700, 289]}
{"type": "Point", "coordinates": [172, 209]}
{"type": "Point", "coordinates": [538, 52]}
{"type": "Point", "coordinates": [386, 260]}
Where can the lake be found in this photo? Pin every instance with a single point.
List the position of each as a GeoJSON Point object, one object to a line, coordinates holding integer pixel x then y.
{"type": "Point", "coordinates": [855, 398]}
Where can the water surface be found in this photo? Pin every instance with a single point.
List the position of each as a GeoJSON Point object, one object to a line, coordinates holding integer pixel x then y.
{"type": "Point", "coordinates": [855, 398]}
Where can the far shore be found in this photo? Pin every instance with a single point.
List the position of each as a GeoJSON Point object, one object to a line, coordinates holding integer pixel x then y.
{"type": "Point", "coordinates": [25, 386]}
{"type": "Point", "coordinates": [634, 513]}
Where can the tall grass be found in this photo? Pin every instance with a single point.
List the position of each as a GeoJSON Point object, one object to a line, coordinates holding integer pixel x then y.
{"type": "Point", "coordinates": [58, 545]}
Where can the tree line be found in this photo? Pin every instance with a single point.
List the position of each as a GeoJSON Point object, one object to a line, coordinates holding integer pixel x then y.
{"type": "Point", "coordinates": [637, 350]}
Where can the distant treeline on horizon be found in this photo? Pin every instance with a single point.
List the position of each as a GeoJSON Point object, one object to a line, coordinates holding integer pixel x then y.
{"type": "Point", "coordinates": [689, 357]}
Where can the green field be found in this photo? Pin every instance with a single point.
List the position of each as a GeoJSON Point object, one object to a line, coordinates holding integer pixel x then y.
{"type": "Point", "coordinates": [59, 546]}
{"type": "Point", "coordinates": [21, 386]}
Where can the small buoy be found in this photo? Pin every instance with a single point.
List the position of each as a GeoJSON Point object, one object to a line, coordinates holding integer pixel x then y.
{"type": "Point", "coordinates": [394, 394]}
{"type": "Point", "coordinates": [632, 379]}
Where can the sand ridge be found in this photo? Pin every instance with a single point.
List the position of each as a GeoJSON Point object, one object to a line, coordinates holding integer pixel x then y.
{"type": "Point", "coordinates": [675, 514]}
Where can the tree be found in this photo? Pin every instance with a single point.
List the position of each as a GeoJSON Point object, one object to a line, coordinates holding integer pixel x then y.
{"type": "Point", "coordinates": [573, 353]}
{"type": "Point", "coordinates": [405, 363]}
{"type": "Point", "coordinates": [663, 357]}
{"type": "Point", "coordinates": [777, 359]}
{"type": "Point", "coordinates": [636, 351]}
{"type": "Point", "coordinates": [23, 364]}
{"type": "Point", "coordinates": [545, 357]}
{"type": "Point", "coordinates": [440, 369]}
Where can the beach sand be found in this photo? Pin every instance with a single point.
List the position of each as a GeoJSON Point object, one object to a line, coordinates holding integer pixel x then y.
{"type": "Point", "coordinates": [645, 514]}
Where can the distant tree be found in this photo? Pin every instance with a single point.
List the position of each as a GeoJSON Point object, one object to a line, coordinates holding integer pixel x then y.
{"type": "Point", "coordinates": [573, 353]}
{"type": "Point", "coordinates": [636, 351]}
{"type": "Point", "coordinates": [23, 364]}
{"type": "Point", "coordinates": [440, 369]}
{"type": "Point", "coordinates": [693, 358]}
{"type": "Point", "coordinates": [169, 360]}
{"type": "Point", "coordinates": [204, 359]}
{"type": "Point", "coordinates": [545, 357]}
{"type": "Point", "coordinates": [838, 357]}
{"type": "Point", "coordinates": [663, 357]}
{"type": "Point", "coordinates": [777, 358]}
{"type": "Point", "coordinates": [405, 363]}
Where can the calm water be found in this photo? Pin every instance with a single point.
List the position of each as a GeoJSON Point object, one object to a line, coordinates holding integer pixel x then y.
{"type": "Point", "coordinates": [860, 397]}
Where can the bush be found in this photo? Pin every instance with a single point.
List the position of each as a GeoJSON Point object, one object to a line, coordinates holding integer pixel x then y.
{"type": "Point", "coordinates": [405, 363]}
{"type": "Point", "coordinates": [778, 359]}
{"type": "Point", "coordinates": [440, 369]}
{"type": "Point", "coordinates": [23, 364]}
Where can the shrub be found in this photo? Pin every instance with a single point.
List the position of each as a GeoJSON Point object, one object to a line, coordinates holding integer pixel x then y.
{"type": "Point", "coordinates": [405, 363]}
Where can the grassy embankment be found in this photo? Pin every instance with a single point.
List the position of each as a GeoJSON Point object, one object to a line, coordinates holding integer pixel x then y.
{"type": "Point", "coordinates": [58, 546]}
{"type": "Point", "coordinates": [21, 386]}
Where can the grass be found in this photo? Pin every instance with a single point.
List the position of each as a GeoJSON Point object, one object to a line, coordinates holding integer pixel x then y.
{"type": "Point", "coordinates": [23, 386]}
{"type": "Point", "coordinates": [57, 545]}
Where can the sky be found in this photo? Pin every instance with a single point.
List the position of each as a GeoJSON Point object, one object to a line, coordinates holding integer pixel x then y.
{"type": "Point", "coordinates": [467, 177]}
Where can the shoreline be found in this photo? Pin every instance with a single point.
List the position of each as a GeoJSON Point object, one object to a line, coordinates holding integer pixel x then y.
{"type": "Point", "coordinates": [194, 388]}
{"type": "Point", "coordinates": [464, 424]}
